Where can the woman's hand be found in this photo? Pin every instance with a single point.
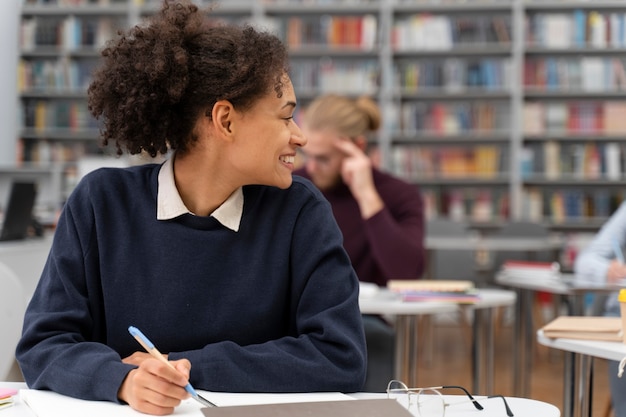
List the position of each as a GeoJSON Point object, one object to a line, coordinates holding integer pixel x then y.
{"type": "Point", "coordinates": [154, 387]}
{"type": "Point", "coordinates": [616, 272]}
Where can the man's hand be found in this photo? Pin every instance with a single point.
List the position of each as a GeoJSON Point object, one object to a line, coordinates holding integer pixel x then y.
{"type": "Point", "coordinates": [356, 171]}
{"type": "Point", "coordinates": [154, 387]}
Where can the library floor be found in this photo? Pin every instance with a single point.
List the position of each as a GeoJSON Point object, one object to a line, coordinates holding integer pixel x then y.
{"type": "Point", "coordinates": [450, 364]}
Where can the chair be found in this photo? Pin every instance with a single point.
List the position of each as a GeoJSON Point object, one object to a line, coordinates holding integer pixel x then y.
{"type": "Point", "coordinates": [546, 306]}
{"type": "Point", "coordinates": [450, 264]}
{"type": "Point", "coordinates": [12, 307]}
{"type": "Point", "coordinates": [521, 229]}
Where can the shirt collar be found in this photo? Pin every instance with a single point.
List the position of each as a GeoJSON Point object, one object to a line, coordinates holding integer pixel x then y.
{"type": "Point", "coordinates": [170, 205]}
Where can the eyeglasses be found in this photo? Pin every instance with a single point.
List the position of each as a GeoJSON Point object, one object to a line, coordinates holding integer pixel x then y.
{"type": "Point", "coordinates": [322, 160]}
{"type": "Point", "coordinates": [429, 402]}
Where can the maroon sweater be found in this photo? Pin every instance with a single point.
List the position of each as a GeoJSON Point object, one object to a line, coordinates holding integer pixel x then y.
{"type": "Point", "coordinates": [390, 244]}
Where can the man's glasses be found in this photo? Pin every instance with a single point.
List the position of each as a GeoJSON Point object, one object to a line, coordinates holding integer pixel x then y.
{"type": "Point", "coordinates": [429, 402]}
{"type": "Point", "coordinates": [322, 160]}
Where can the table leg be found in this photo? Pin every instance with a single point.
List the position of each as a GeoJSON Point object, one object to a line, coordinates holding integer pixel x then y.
{"type": "Point", "coordinates": [523, 343]}
{"type": "Point", "coordinates": [483, 351]}
{"type": "Point", "coordinates": [585, 386]}
{"type": "Point", "coordinates": [569, 386]}
{"type": "Point", "coordinates": [426, 327]}
{"type": "Point", "coordinates": [402, 348]}
{"type": "Point", "coordinates": [476, 355]}
{"type": "Point", "coordinates": [413, 352]}
{"type": "Point", "coordinates": [406, 349]}
{"type": "Point", "coordinates": [527, 365]}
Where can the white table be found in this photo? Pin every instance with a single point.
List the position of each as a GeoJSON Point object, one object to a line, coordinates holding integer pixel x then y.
{"type": "Point", "coordinates": [405, 315]}
{"type": "Point", "coordinates": [385, 302]}
{"type": "Point", "coordinates": [584, 351]}
{"type": "Point", "coordinates": [521, 407]}
{"type": "Point", "coordinates": [566, 287]}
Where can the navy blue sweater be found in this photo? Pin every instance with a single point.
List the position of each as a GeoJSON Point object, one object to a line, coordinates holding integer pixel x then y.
{"type": "Point", "coordinates": [270, 308]}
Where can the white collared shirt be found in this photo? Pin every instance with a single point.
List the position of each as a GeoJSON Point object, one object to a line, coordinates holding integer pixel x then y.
{"type": "Point", "coordinates": [170, 205]}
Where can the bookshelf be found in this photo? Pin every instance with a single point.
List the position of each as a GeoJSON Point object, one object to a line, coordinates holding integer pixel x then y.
{"type": "Point", "coordinates": [59, 44]}
{"type": "Point", "coordinates": [573, 151]}
{"type": "Point", "coordinates": [498, 109]}
{"type": "Point", "coordinates": [451, 98]}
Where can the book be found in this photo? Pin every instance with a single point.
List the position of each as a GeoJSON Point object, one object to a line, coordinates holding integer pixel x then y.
{"type": "Point", "coordinates": [585, 327]}
{"type": "Point", "coordinates": [455, 291]}
{"type": "Point", "coordinates": [368, 407]}
{"type": "Point", "coordinates": [532, 270]}
{"type": "Point", "coordinates": [6, 397]}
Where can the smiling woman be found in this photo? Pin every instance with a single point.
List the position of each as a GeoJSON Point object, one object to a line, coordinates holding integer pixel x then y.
{"type": "Point", "coordinates": [235, 269]}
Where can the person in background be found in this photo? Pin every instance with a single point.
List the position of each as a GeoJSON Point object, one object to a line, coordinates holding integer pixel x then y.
{"type": "Point", "coordinates": [381, 217]}
{"type": "Point", "coordinates": [602, 262]}
{"type": "Point", "coordinates": [232, 267]}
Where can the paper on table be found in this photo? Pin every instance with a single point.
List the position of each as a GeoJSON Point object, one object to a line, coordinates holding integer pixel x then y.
{"type": "Point", "coordinates": [51, 404]}
{"type": "Point", "coordinates": [224, 399]}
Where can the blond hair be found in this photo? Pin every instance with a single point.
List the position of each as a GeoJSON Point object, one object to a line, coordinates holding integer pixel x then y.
{"type": "Point", "coordinates": [348, 117]}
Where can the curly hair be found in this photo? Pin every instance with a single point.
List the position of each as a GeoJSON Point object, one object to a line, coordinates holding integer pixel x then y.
{"type": "Point", "coordinates": [159, 77]}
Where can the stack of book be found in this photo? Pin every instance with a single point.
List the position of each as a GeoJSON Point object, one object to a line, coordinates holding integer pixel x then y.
{"type": "Point", "coordinates": [455, 291]}
{"type": "Point", "coordinates": [532, 270]}
{"type": "Point", "coordinates": [6, 397]}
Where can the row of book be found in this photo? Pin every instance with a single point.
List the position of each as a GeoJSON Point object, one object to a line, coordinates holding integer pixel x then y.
{"type": "Point", "coordinates": [442, 118]}
{"type": "Point", "coordinates": [580, 28]}
{"type": "Point", "coordinates": [426, 31]}
{"type": "Point", "coordinates": [570, 205]}
{"type": "Point", "coordinates": [358, 31]}
{"type": "Point", "coordinates": [422, 162]}
{"type": "Point", "coordinates": [590, 160]}
{"type": "Point", "coordinates": [44, 152]}
{"type": "Point", "coordinates": [586, 73]}
{"type": "Point", "coordinates": [579, 116]}
{"type": "Point", "coordinates": [476, 204]}
{"type": "Point", "coordinates": [60, 74]}
{"type": "Point", "coordinates": [69, 33]}
{"type": "Point", "coordinates": [454, 74]}
{"type": "Point", "coordinates": [336, 75]}
{"type": "Point", "coordinates": [57, 114]}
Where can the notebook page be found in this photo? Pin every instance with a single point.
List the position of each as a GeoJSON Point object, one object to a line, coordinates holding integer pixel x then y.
{"type": "Point", "coordinates": [51, 404]}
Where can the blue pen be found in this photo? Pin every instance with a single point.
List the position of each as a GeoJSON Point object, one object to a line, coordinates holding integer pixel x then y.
{"type": "Point", "coordinates": [617, 250]}
{"type": "Point", "coordinates": [151, 349]}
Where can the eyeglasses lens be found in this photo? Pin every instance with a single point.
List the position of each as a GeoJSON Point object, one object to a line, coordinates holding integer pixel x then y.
{"type": "Point", "coordinates": [430, 403]}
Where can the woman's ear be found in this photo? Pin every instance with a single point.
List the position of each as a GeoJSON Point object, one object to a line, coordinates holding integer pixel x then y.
{"type": "Point", "coordinates": [222, 117]}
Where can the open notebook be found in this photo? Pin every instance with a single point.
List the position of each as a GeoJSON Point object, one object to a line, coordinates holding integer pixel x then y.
{"type": "Point", "coordinates": [51, 404]}
{"type": "Point", "coordinates": [18, 215]}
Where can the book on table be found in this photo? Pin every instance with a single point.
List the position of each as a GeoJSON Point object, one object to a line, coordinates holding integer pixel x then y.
{"type": "Point", "coordinates": [455, 291]}
{"type": "Point", "coordinates": [585, 327]}
{"type": "Point", "coordinates": [532, 270]}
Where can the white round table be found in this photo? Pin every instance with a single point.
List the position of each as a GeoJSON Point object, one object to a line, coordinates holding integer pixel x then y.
{"type": "Point", "coordinates": [386, 303]}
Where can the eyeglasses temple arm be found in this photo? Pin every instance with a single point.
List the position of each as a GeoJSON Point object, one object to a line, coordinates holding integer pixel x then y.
{"type": "Point", "coordinates": [477, 405]}
{"type": "Point", "coordinates": [506, 405]}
